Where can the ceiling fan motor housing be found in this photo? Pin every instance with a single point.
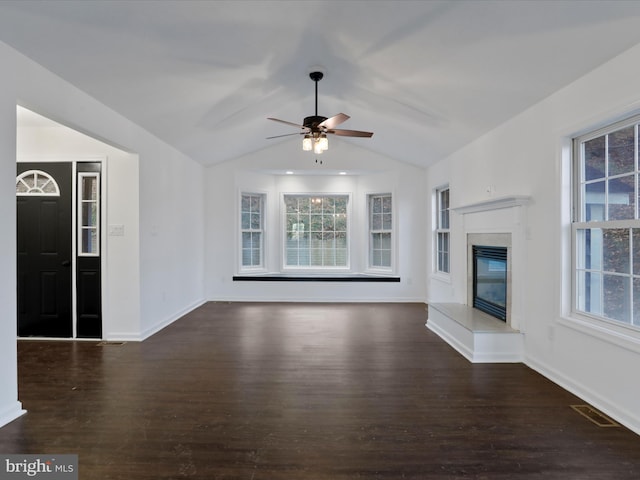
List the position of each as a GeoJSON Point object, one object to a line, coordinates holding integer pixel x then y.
{"type": "Point", "coordinates": [313, 121]}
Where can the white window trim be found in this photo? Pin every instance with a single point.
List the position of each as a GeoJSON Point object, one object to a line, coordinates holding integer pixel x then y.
{"type": "Point", "coordinates": [32, 191]}
{"type": "Point", "coordinates": [436, 272]}
{"type": "Point", "coordinates": [262, 268]}
{"type": "Point", "coordinates": [612, 331]}
{"type": "Point", "coordinates": [81, 201]}
{"type": "Point", "coordinates": [283, 236]}
{"type": "Point", "coordinates": [367, 212]}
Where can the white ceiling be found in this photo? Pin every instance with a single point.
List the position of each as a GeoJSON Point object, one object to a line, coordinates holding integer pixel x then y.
{"type": "Point", "coordinates": [426, 76]}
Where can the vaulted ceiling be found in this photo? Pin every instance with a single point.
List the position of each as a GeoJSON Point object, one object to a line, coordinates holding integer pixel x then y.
{"type": "Point", "coordinates": [426, 76]}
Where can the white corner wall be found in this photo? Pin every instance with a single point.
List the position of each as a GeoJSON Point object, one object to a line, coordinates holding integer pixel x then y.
{"type": "Point", "coordinates": [121, 269]}
{"type": "Point", "coordinates": [171, 207]}
{"type": "Point", "coordinates": [529, 155]}
{"type": "Point", "coordinates": [369, 173]}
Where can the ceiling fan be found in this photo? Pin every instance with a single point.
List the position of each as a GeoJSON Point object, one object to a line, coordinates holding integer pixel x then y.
{"type": "Point", "coordinates": [316, 127]}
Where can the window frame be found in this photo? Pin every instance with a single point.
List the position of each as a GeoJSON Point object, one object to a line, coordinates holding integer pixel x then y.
{"type": "Point", "coordinates": [580, 223]}
{"type": "Point", "coordinates": [261, 267]}
{"type": "Point", "coordinates": [81, 228]}
{"type": "Point", "coordinates": [371, 231]}
{"type": "Point", "coordinates": [285, 268]}
{"type": "Point", "coordinates": [440, 230]}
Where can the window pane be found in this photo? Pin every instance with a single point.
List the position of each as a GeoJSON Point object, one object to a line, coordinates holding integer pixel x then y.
{"type": "Point", "coordinates": [312, 238]}
{"type": "Point", "coordinates": [616, 250]}
{"type": "Point", "coordinates": [444, 209]}
{"type": "Point", "coordinates": [443, 252]}
{"type": "Point", "coordinates": [245, 220]}
{"type": "Point", "coordinates": [327, 222]}
{"type": "Point", "coordinates": [376, 222]}
{"type": "Point", "coordinates": [621, 198]}
{"type": "Point", "coordinates": [589, 291]}
{"type": "Point", "coordinates": [386, 221]}
{"type": "Point", "coordinates": [89, 240]}
{"type": "Point", "coordinates": [636, 302]}
{"type": "Point", "coordinates": [590, 249]}
{"type": "Point", "coordinates": [89, 214]}
{"type": "Point", "coordinates": [255, 221]}
{"type": "Point", "coordinates": [616, 297]}
{"type": "Point", "coordinates": [246, 239]}
{"type": "Point", "coordinates": [89, 188]}
{"type": "Point", "coordinates": [386, 204]}
{"type": "Point", "coordinates": [621, 151]}
{"type": "Point", "coordinates": [636, 251]}
{"type": "Point", "coordinates": [594, 201]}
{"type": "Point", "coordinates": [376, 205]}
{"type": "Point", "coordinates": [255, 204]}
{"type": "Point", "coordinates": [385, 241]}
{"type": "Point", "coordinates": [594, 158]}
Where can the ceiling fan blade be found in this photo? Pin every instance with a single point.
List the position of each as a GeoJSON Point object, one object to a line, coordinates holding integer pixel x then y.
{"type": "Point", "coordinates": [289, 123]}
{"type": "Point", "coordinates": [350, 133]}
{"type": "Point", "coordinates": [285, 135]}
{"type": "Point", "coordinates": [334, 121]}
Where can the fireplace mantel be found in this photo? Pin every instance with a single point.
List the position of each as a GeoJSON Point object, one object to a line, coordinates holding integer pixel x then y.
{"type": "Point", "coordinates": [493, 204]}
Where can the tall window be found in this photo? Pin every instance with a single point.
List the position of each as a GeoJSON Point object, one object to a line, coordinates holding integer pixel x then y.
{"type": "Point", "coordinates": [442, 230]}
{"type": "Point", "coordinates": [606, 226]}
{"type": "Point", "coordinates": [380, 229]}
{"type": "Point", "coordinates": [252, 229]}
{"type": "Point", "coordinates": [316, 231]}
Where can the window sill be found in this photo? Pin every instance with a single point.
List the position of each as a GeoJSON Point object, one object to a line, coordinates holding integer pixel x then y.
{"type": "Point", "coordinates": [441, 277]}
{"type": "Point", "coordinates": [316, 278]}
{"type": "Point", "coordinates": [615, 334]}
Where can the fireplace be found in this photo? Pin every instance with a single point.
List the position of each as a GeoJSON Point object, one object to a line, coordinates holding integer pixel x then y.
{"type": "Point", "coordinates": [489, 274]}
{"type": "Point", "coordinates": [490, 280]}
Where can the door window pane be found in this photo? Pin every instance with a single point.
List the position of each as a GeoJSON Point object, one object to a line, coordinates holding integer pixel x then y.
{"type": "Point", "coordinates": [89, 213]}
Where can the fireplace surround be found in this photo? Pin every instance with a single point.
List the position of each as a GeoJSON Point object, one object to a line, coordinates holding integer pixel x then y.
{"type": "Point", "coordinates": [481, 338]}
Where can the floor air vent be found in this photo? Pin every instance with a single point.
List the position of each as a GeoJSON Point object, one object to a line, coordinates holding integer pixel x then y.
{"type": "Point", "coordinates": [110, 344]}
{"type": "Point", "coordinates": [600, 419]}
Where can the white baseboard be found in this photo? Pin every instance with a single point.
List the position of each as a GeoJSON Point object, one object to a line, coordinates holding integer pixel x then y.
{"type": "Point", "coordinates": [132, 337]}
{"type": "Point", "coordinates": [10, 413]}
{"type": "Point", "coordinates": [629, 419]}
{"type": "Point", "coordinates": [271, 299]}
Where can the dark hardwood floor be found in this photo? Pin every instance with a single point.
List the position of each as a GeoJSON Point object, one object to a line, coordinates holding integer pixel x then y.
{"type": "Point", "coordinates": [304, 391]}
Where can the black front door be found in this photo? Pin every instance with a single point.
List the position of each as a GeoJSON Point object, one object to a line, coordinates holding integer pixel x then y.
{"type": "Point", "coordinates": [44, 250]}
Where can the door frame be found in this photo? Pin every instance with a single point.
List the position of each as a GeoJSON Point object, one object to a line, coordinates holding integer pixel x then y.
{"type": "Point", "coordinates": [102, 160]}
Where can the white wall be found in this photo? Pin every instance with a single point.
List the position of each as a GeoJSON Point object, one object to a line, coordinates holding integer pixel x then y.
{"type": "Point", "coordinates": [121, 272]}
{"type": "Point", "coordinates": [529, 156]}
{"type": "Point", "coordinates": [368, 173]}
{"type": "Point", "coordinates": [171, 206]}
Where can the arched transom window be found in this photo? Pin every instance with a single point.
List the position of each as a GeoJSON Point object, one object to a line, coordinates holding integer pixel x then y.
{"type": "Point", "coordinates": [36, 182]}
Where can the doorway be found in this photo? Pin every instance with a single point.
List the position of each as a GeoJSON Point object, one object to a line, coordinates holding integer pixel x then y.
{"type": "Point", "coordinates": [58, 250]}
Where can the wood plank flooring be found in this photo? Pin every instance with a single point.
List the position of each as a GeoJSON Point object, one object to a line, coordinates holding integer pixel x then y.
{"type": "Point", "coordinates": [303, 391]}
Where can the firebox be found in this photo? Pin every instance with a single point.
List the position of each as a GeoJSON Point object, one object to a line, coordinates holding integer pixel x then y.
{"type": "Point", "coordinates": [490, 280]}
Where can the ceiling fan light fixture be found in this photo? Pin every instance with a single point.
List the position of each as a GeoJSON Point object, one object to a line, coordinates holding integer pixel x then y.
{"type": "Point", "coordinates": [324, 142]}
{"type": "Point", "coordinates": [316, 127]}
{"type": "Point", "coordinates": [307, 143]}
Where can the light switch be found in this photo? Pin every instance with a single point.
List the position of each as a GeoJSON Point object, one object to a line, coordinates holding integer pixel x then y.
{"type": "Point", "coordinates": [116, 230]}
